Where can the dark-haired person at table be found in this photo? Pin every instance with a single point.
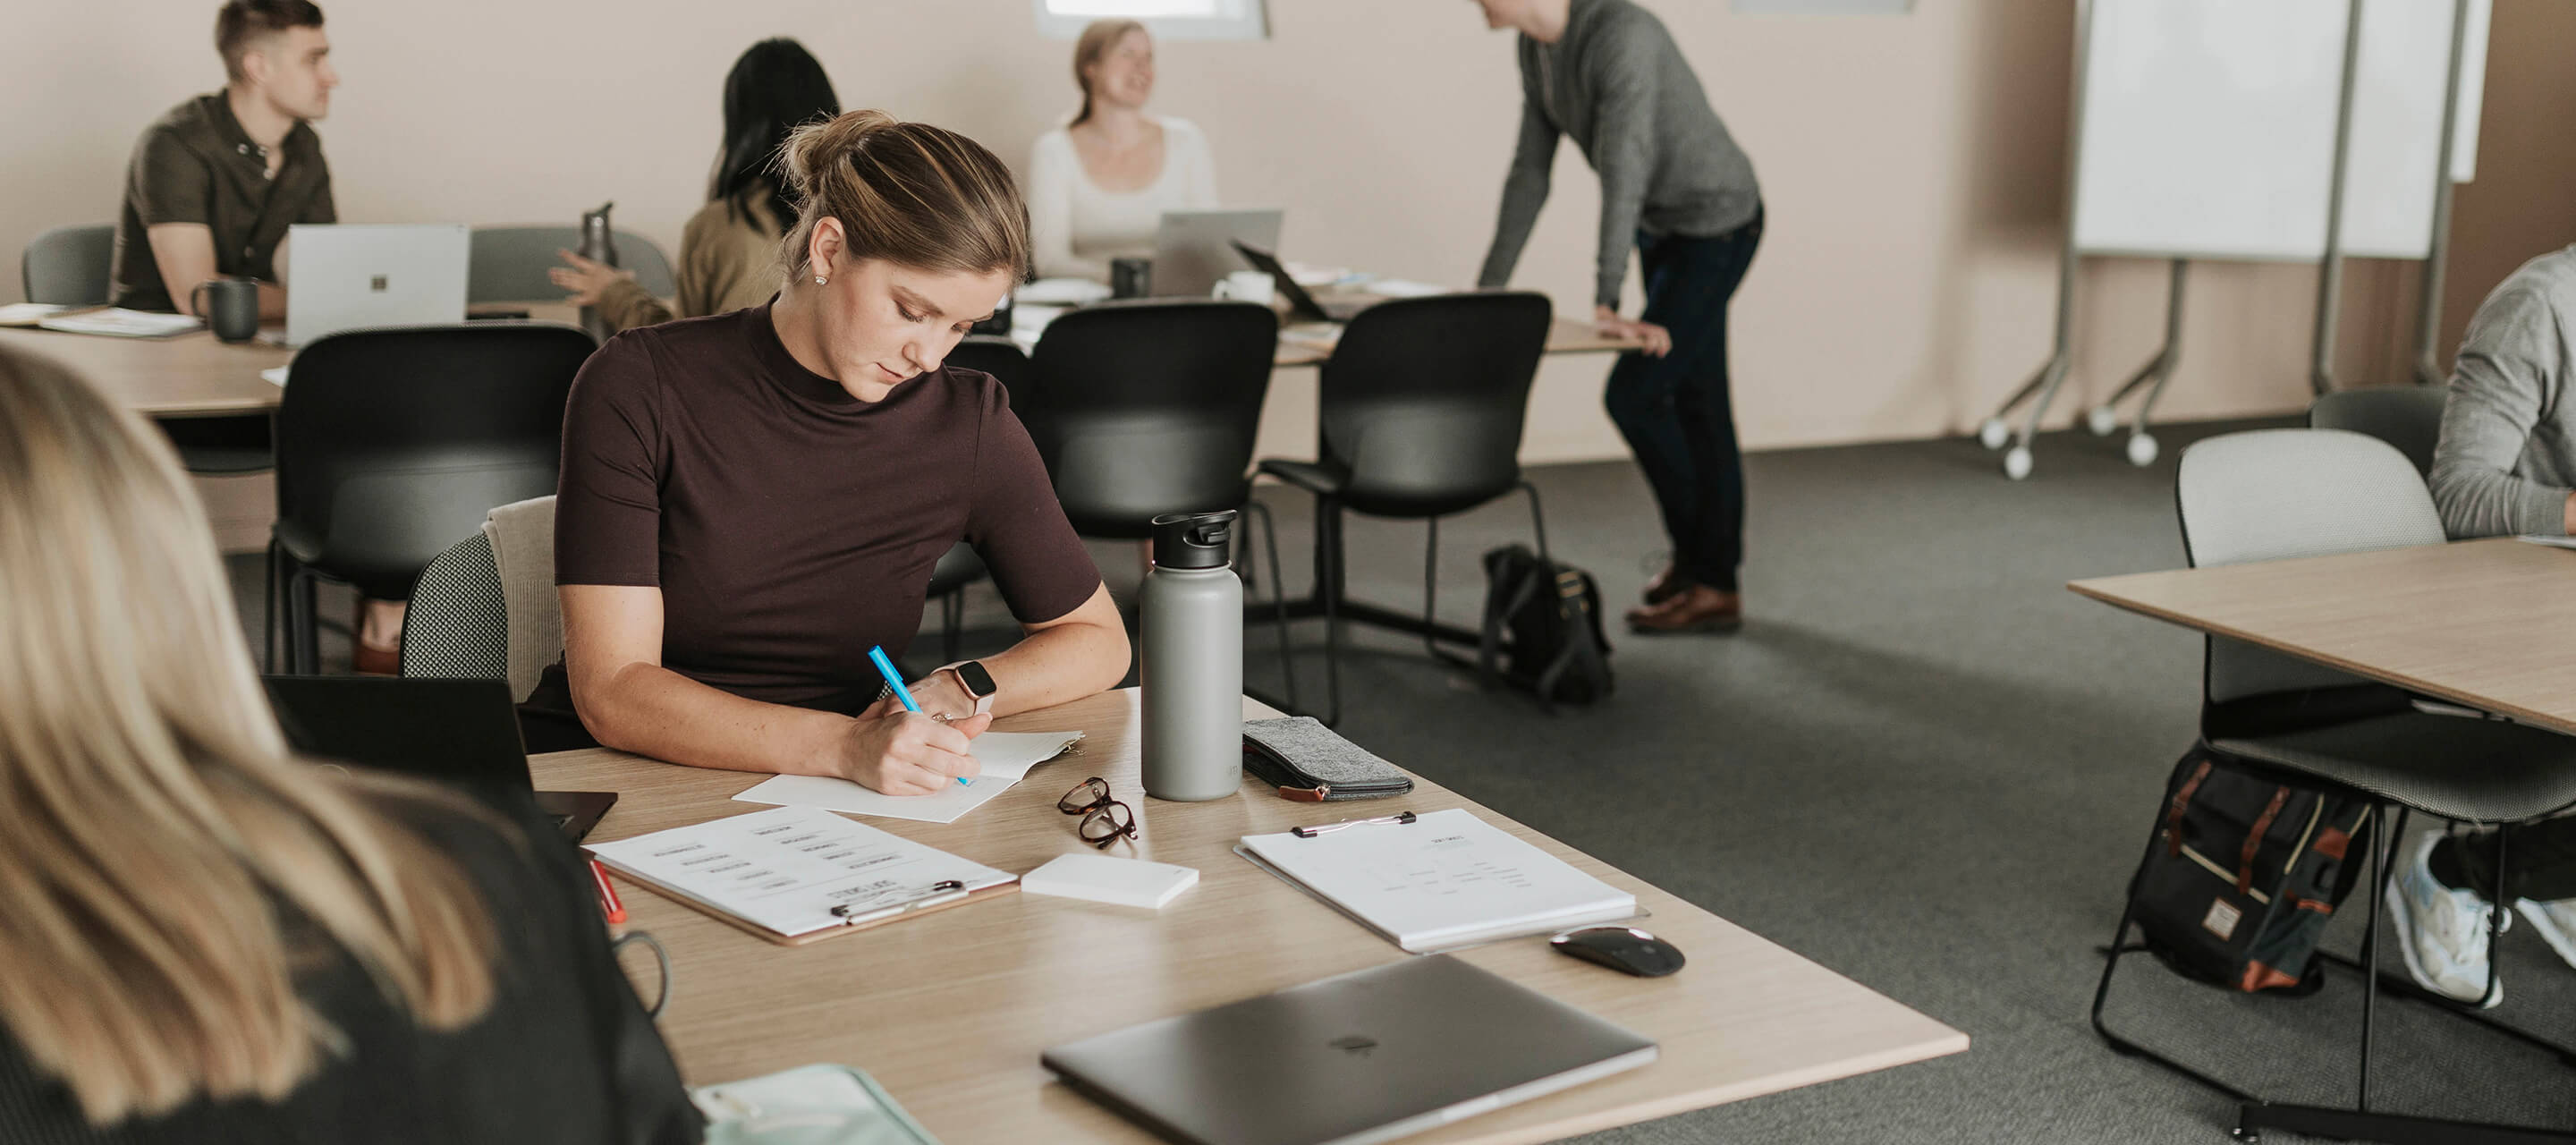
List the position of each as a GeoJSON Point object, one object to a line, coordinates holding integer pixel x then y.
{"type": "Point", "coordinates": [1675, 186]}
{"type": "Point", "coordinates": [214, 184]}
{"type": "Point", "coordinates": [729, 249]}
{"type": "Point", "coordinates": [2505, 464]}
{"type": "Point", "coordinates": [751, 501]}
{"type": "Point", "coordinates": [206, 938]}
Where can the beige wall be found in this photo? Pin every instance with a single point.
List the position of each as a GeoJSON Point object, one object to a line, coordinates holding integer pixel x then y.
{"type": "Point", "coordinates": [1913, 167]}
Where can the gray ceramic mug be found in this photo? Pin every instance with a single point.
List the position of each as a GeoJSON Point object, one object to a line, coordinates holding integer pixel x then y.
{"type": "Point", "coordinates": [230, 307]}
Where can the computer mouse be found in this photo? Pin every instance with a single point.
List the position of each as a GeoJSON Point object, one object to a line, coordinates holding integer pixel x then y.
{"type": "Point", "coordinates": [1624, 948]}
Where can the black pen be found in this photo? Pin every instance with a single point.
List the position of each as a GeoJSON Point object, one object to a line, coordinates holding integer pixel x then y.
{"type": "Point", "coordinates": [1311, 832]}
{"type": "Point", "coordinates": [945, 890]}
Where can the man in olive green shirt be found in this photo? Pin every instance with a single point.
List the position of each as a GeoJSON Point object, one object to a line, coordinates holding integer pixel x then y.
{"type": "Point", "coordinates": [214, 184]}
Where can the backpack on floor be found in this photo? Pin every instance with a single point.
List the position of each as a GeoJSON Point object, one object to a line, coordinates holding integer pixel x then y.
{"type": "Point", "coordinates": [1542, 630]}
{"type": "Point", "coordinates": [2244, 873]}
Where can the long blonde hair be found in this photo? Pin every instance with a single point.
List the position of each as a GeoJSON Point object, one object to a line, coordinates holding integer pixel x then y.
{"type": "Point", "coordinates": [1097, 38]}
{"type": "Point", "coordinates": [156, 828]}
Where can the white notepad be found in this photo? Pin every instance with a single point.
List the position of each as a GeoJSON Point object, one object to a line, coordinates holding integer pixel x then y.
{"type": "Point", "coordinates": [784, 870]}
{"type": "Point", "coordinates": [122, 323]}
{"type": "Point", "coordinates": [1446, 880]}
{"type": "Point", "coordinates": [1006, 758]}
{"type": "Point", "coordinates": [1111, 879]}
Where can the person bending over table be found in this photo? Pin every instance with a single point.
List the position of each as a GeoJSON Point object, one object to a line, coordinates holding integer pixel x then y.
{"type": "Point", "coordinates": [2505, 464]}
{"type": "Point", "coordinates": [1098, 186]}
{"type": "Point", "coordinates": [210, 939]}
{"type": "Point", "coordinates": [751, 501]}
{"type": "Point", "coordinates": [729, 249]}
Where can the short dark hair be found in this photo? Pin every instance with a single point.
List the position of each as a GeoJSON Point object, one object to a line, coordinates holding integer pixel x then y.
{"type": "Point", "coordinates": [242, 21]}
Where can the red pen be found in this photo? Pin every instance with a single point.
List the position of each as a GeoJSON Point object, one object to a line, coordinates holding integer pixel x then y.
{"type": "Point", "coordinates": [608, 903]}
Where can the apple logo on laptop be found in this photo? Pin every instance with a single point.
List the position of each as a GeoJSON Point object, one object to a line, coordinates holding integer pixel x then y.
{"type": "Point", "coordinates": [1356, 1044]}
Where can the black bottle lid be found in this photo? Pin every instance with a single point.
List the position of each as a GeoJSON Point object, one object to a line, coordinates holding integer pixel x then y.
{"type": "Point", "coordinates": [1194, 540]}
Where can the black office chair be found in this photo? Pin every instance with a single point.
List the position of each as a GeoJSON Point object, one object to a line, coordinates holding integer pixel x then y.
{"type": "Point", "coordinates": [1147, 408]}
{"type": "Point", "coordinates": [2408, 417]}
{"type": "Point", "coordinates": [1422, 408]}
{"type": "Point", "coordinates": [394, 444]}
{"type": "Point", "coordinates": [70, 266]}
{"type": "Point", "coordinates": [999, 356]}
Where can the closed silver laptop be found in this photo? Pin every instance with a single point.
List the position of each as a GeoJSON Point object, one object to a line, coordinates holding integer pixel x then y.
{"type": "Point", "coordinates": [348, 276]}
{"type": "Point", "coordinates": [1365, 1057]}
{"type": "Point", "coordinates": [1193, 249]}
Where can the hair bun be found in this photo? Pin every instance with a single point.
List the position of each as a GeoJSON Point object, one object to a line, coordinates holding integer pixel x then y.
{"type": "Point", "coordinates": [815, 147]}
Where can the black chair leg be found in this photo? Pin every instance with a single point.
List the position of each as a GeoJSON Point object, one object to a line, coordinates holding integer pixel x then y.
{"type": "Point", "coordinates": [1538, 520]}
{"type": "Point", "coordinates": [304, 635]}
{"type": "Point", "coordinates": [1331, 539]}
{"type": "Point", "coordinates": [1430, 584]}
{"type": "Point", "coordinates": [2383, 871]}
{"type": "Point", "coordinates": [272, 602]}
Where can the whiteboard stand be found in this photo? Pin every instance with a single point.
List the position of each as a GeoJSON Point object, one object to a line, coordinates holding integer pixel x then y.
{"type": "Point", "coordinates": [2330, 272]}
{"type": "Point", "coordinates": [2104, 419]}
{"type": "Point", "coordinates": [1996, 433]}
{"type": "Point", "coordinates": [2428, 315]}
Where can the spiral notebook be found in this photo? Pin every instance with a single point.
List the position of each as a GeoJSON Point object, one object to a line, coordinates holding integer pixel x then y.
{"type": "Point", "coordinates": [1439, 881]}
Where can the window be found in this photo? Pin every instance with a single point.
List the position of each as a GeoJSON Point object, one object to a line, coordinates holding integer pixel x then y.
{"type": "Point", "coordinates": [1168, 19]}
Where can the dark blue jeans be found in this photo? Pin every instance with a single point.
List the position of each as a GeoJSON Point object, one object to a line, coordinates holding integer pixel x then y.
{"type": "Point", "coordinates": [1675, 411]}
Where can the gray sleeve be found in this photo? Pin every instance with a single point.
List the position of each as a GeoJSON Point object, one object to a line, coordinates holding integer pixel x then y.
{"type": "Point", "coordinates": [1623, 145]}
{"type": "Point", "coordinates": [1524, 192]}
{"type": "Point", "coordinates": [2510, 369]}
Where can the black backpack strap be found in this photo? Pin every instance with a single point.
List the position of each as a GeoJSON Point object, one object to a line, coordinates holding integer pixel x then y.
{"type": "Point", "coordinates": [1502, 602]}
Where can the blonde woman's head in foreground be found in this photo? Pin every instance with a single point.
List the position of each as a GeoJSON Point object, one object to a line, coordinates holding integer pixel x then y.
{"type": "Point", "coordinates": [156, 825]}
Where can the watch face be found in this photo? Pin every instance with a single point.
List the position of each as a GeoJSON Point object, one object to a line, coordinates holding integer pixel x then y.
{"type": "Point", "coordinates": [978, 681]}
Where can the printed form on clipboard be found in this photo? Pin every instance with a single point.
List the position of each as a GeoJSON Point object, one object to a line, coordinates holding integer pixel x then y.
{"type": "Point", "coordinates": [796, 874]}
{"type": "Point", "coordinates": [1438, 881]}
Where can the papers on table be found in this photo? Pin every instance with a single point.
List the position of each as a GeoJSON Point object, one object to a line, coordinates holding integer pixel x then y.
{"type": "Point", "coordinates": [275, 375]}
{"type": "Point", "coordinates": [2552, 542]}
{"type": "Point", "coordinates": [1402, 288]}
{"type": "Point", "coordinates": [30, 313]}
{"type": "Point", "coordinates": [1006, 758]}
{"type": "Point", "coordinates": [784, 870]}
{"type": "Point", "coordinates": [119, 322]}
{"type": "Point", "coordinates": [1445, 880]}
{"type": "Point", "coordinates": [1060, 292]}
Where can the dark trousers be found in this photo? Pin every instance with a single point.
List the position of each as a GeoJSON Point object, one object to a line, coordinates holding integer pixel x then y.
{"type": "Point", "coordinates": [1675, 411]}
{"type": "Point", "coordinates": [2542, 860]}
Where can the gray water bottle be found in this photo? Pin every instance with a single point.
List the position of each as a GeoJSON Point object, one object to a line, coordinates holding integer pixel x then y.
{"type": "Point", "coordinates": [598, 244]}
{"type": "Point", "coordinates": [1191, 611]}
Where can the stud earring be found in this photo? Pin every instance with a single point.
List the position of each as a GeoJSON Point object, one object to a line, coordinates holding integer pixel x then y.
{"type": "Point", "coordinates": [819, 280]}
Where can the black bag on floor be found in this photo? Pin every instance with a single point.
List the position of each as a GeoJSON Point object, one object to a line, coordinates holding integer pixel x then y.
{"type": "Point", "coordinates": [2244, 874]}
{"type": "Point", "coordinates": [1542, 631]}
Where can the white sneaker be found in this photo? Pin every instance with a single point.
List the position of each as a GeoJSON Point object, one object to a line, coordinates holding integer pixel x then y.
{"type": "Point", "coordinates": [2556, 922]}
{"type": "Point", "coordinates": [2442, 932]}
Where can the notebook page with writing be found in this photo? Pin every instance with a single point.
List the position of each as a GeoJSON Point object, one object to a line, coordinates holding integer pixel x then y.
{"type": "Point", "coordinates": [1447, 879]}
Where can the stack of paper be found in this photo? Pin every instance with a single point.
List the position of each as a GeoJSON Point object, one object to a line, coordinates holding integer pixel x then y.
{"type": "Point", "coordinates": [784, 870]}
{"type": "Point", "coordinates": [119, 322]}
{"type": "Point", "coordinates": [30, 313]}
{"type": "Point", "coordinates": [1006, 758]}
{"type": "Point", "coordinates": [1445, 880]}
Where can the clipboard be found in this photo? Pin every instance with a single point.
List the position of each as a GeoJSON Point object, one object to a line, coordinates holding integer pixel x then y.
{"type": "Point", "coordinates": [799, 875]}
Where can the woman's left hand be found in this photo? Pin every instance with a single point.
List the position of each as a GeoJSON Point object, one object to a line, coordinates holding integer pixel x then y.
{"type": "Point", "coordinates": [1655, 340]}
{"type": "Point", "coordinates": [586, 280]}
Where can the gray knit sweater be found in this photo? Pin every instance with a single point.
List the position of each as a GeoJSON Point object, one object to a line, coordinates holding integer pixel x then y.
{"type": "Point", "coordinates": [1616, 83]}
{"type": "Point", "coordinates": [2508, 451]}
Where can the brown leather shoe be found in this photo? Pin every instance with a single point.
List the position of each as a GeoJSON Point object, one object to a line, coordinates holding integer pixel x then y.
{"type": "Point", "coordinates": [1696, 609]}
{"type": "Point", "coordinates": [1665, 586]}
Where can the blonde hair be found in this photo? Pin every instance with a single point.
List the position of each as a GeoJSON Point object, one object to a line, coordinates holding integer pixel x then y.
{"type": "Point", "coordinates": [1097, 38]}
{"type": "Point", "coordinates": [921, 196]}
{"type": "Point", "coordinates": [158, 832]}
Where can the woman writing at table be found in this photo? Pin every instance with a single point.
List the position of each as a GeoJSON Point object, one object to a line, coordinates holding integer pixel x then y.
{"type": "Point", "coordinates": [209, 939]}
{"type": "Point", "coordinates": [1099, 185]}
{"type": "Point", "coordinates": [729, 249]}
{"type": "Point", "coordinates": [751, 501]}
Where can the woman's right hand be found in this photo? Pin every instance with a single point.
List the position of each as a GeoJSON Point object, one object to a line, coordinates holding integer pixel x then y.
{"type": "Point", "coordinates": [904, 753]}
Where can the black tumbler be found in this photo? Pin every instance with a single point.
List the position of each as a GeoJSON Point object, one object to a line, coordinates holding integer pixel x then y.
{"type": "Point", "coordinates": [1131, 277]}
{"type": "Point", "coordinates": [230, 307]}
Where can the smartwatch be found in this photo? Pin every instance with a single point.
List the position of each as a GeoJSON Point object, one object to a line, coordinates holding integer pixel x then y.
{"type": "Point", "coordinates": [977, 682]}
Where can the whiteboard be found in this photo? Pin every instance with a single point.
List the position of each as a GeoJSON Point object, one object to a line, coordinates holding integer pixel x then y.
{"type": "Point", "coordinates": [2207, 127]}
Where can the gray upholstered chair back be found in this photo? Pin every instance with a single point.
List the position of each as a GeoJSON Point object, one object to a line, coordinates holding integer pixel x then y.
{"type": "Point", "coordinates": [2408, 417]}
{"type": "Point", "coordinates": [2280, 493]}
{"type": "Point", "coordinates": [508, 264]}
{"type": "Point", "coordinates": [68, 266]}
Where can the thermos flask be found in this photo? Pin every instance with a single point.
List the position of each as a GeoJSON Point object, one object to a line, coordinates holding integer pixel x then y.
{"type": "Point", "coordinates": [1191, 613]}
{"type": "Point", "coordinates": [598, 244]}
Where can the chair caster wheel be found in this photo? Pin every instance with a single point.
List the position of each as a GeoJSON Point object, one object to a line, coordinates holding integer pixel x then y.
{"type": "Point", "coordinates": [1994, 433]}
{"type": "Point", "coordinates": [2142, 450]}
{"type": "Point", "coordinates": [2102, 420]}
{"type": "Point", "coordinates": [2017, 463]}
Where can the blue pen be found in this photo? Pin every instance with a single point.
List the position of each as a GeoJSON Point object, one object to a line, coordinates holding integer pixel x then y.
{"type": "Point", "coordinates": [894, 680]}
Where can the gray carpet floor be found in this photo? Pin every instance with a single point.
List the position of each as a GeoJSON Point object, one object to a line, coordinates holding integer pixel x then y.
{"type": "Point", "coordinates": [1923, 764]}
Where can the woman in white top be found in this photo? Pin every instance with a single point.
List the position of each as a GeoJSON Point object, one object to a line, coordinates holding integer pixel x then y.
{"type": "Point", "coordinates": [1099, 185]}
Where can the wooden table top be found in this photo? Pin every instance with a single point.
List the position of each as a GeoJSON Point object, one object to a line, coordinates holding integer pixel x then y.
{"type": "Point", "coordinates": [2488, 623]}
{"type": "Point", "coordinates": [185, 374]}
{"type": "Point", "coordinates": [949, 1011]}
{"type": "Point", "coordinates": [1564, 336]}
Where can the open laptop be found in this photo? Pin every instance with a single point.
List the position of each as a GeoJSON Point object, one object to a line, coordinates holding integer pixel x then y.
{"type": "Point", "coordinates": [345, 276]}
{"type": "Point", "coordinates": [1365, 1057]}
{"type": "Point", "coordinates": [1193, 249]}
{"type": "Point", "coordinates": [1301, 306]}
{"type": "Point", "coordinates": [464, 732]}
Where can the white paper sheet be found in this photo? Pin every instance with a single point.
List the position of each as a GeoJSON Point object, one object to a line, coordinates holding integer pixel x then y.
{"type": "Point", "coordinates": [122, 323]}
{"type": "Point", "coordinates": [1402, 288]}
{"type": "Point", "coordinates": [785, 869]}
{"type": "Point", "coordinates": [1005, 756]}
{"type": "Point", "coordinates": [274, 375]}
{"type": "Point", "coordinates": [30, 313]}
{"type": "Point", "coordinates": [1448, 879]}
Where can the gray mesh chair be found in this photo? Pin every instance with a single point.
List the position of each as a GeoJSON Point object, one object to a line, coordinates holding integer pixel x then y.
{"type": "Point", "coordinates": [2408, 417]}
{"type": "Point", "coordinates": [2279, 494]}
{"type": "Point", "coordinates": [509, 264]}
{"type": "Point", "coordinates": [69, 266]}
